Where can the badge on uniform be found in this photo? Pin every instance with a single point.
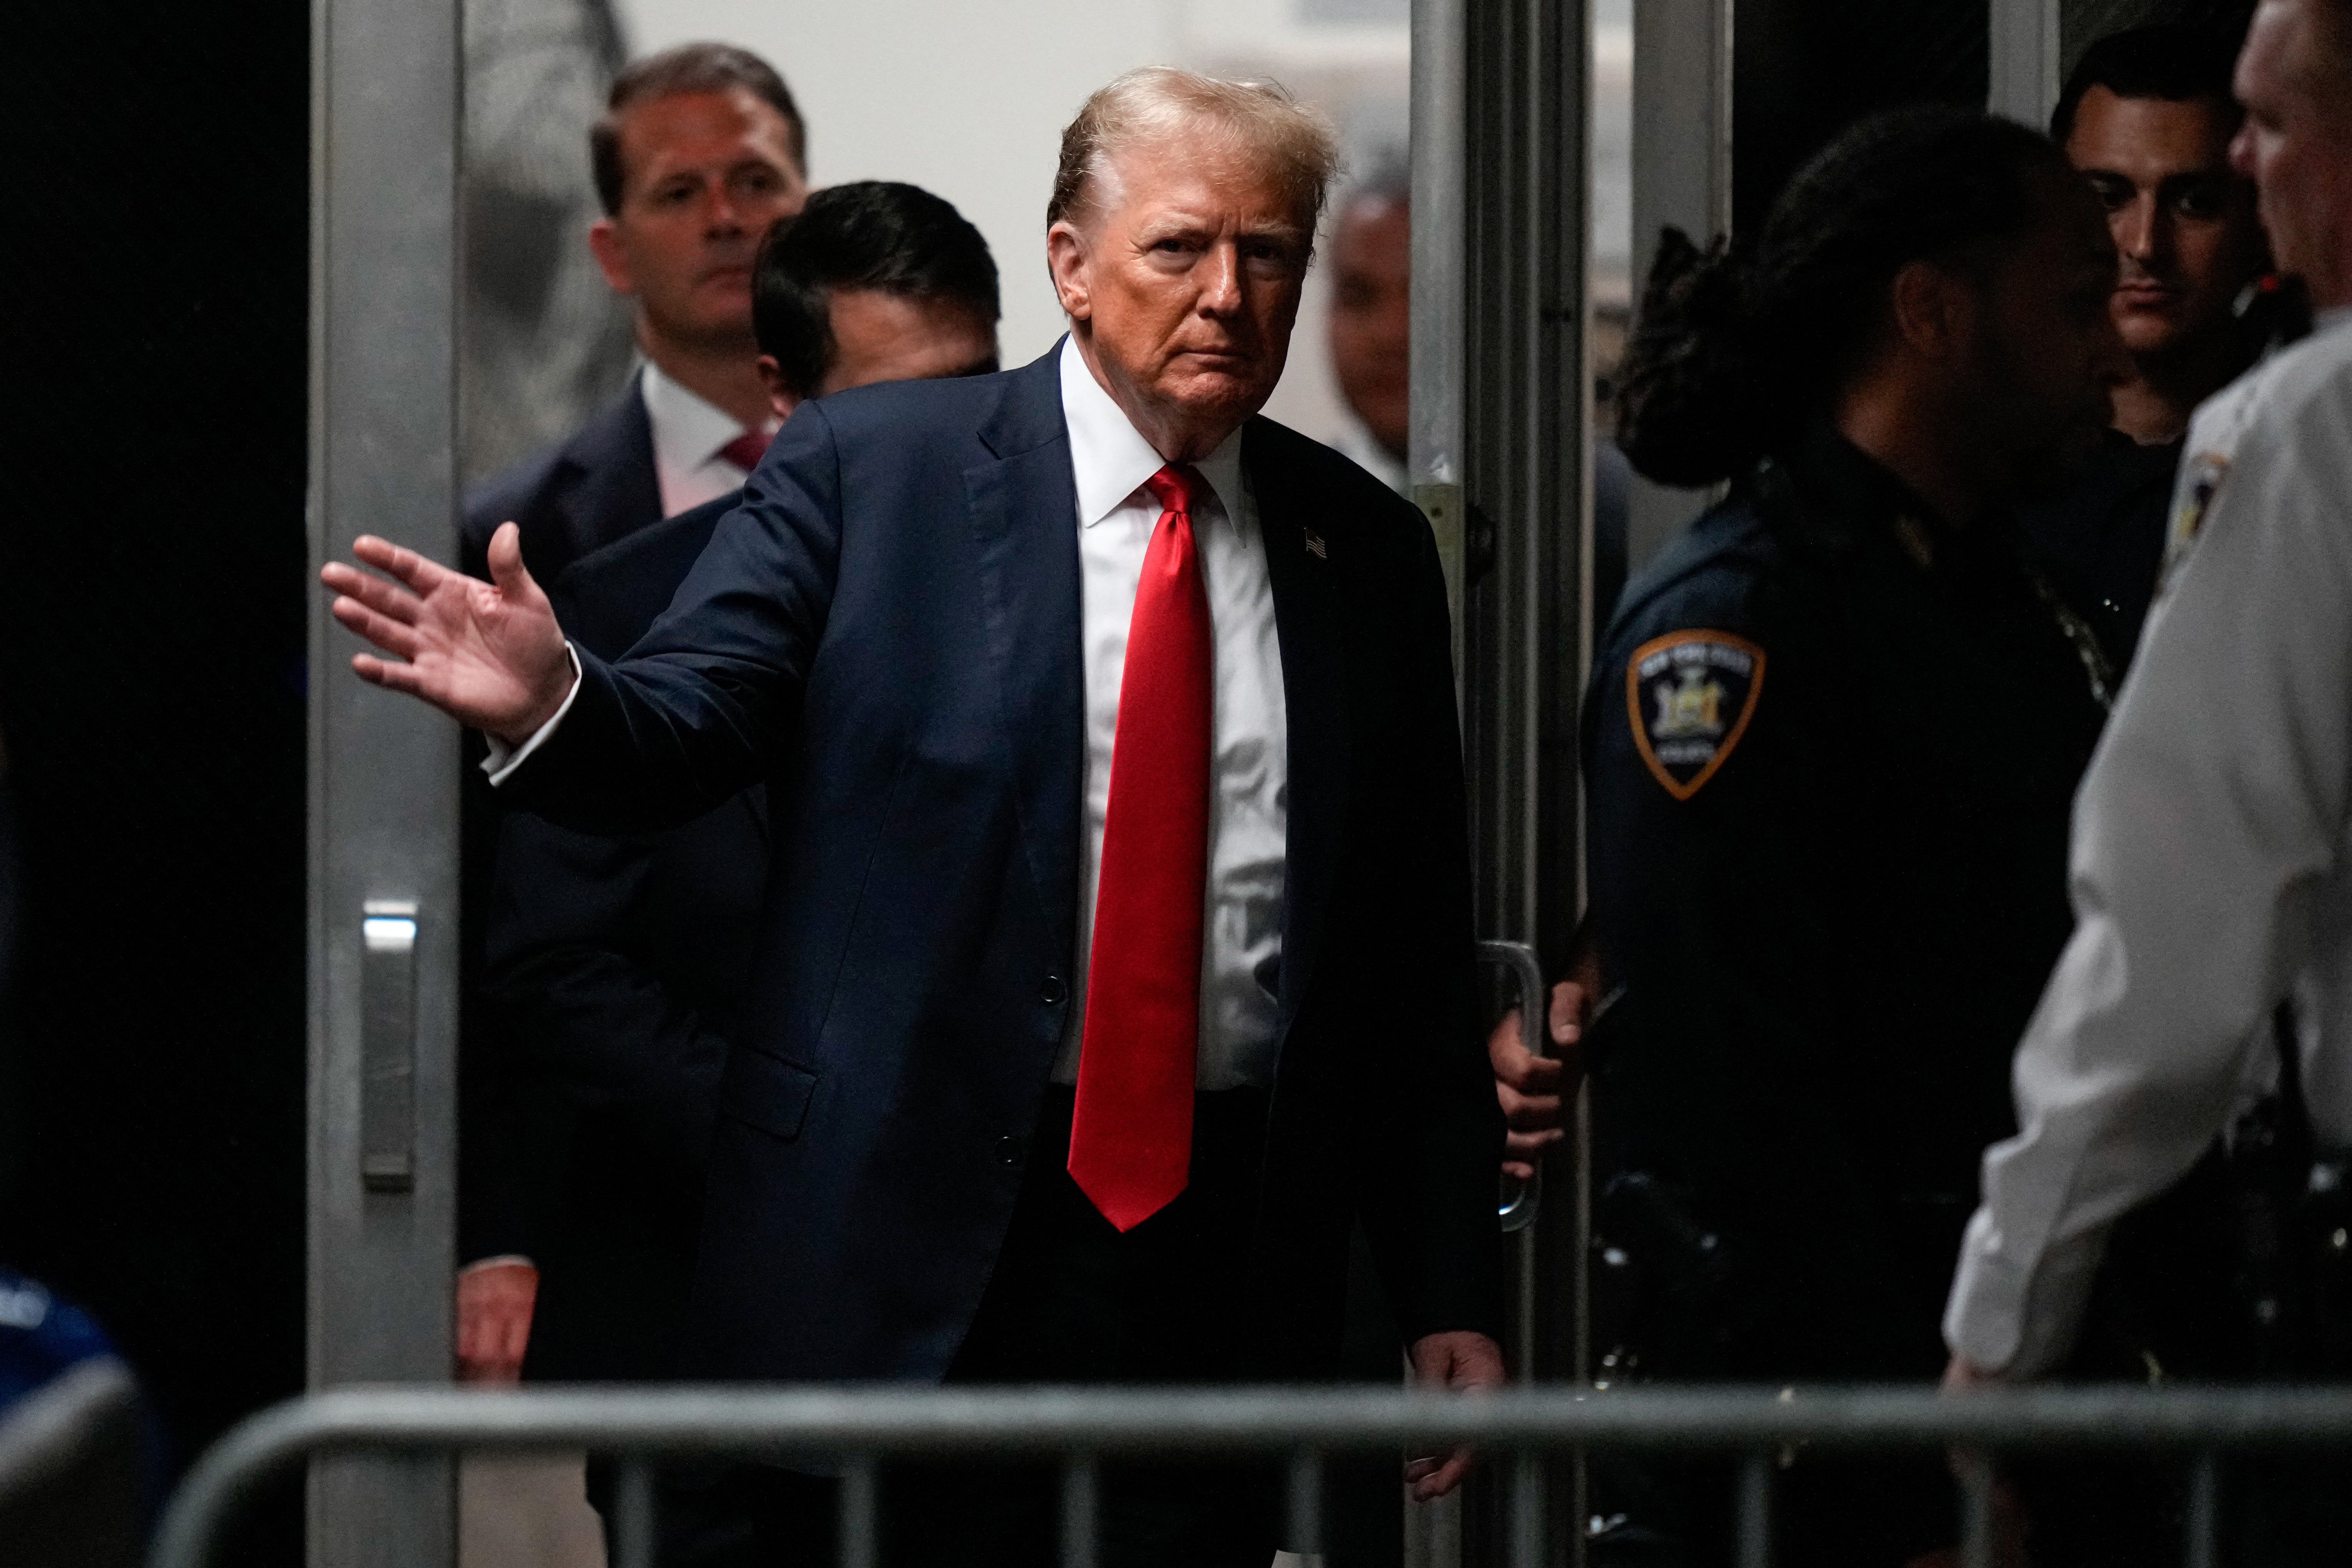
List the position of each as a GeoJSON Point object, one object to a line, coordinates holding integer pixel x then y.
{"type": "Point", "coordinates": [1690, 695]}
{"type": "Point", "coordinates": [2201, 480]}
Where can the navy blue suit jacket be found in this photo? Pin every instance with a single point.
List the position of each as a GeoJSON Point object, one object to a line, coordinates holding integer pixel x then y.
{"type": "Point", "coordinates": [889, 627]}
{"type": "Point", "coordinates": [596, 486]}
{"type": "Point", "coordinates": [618, 968]}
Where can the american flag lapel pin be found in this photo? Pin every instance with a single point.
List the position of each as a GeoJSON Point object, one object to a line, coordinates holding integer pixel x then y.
{"type": "Point", "coordinates": [1316, 547]}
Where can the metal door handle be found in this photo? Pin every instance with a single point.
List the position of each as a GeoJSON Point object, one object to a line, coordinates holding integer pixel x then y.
{"type": "Point", "coordinates": [388, 1046]}
{"type": "Point", "coordinates": [1518, 1209]}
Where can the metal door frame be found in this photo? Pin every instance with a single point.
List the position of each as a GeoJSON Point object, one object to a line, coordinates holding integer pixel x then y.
{"type": "Point", "coordinates": [1682, 176]}
{"type": "Point", "coordinates": [2024, 50]}
{"type": "Point", "coordinates": [387, 104]}
{"type": "Point", "coordinates": [1501, 409]}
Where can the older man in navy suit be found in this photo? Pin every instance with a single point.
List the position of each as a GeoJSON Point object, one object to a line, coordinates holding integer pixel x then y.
{"type": "Point", "coordinates": [1117, 949]}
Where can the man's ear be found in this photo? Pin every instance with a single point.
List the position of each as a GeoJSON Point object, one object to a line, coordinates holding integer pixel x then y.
{"type": "Point", "coordinates": [1934, 309]}
{"type": "Point", "coordinates": [780, 396]}
{"type": "Point", "coordinates": [1066, 260]}
{"type": "Point", "coordinates": [604, 244]}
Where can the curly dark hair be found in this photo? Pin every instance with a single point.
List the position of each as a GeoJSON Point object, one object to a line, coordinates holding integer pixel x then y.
{"type": "Point", "coordinates": [1739, 345]}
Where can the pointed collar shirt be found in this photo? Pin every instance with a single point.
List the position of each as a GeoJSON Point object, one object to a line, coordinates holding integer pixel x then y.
{"type": "Point", "coordinates": [689, 434]}
{"type": "Point", "coordinates": [1240, 964]}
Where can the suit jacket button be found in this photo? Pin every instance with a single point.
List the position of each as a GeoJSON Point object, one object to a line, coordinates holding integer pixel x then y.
{"type": "Point", "coordinates": [1008, 1150]}
{"type": "Point", "coordinates": [1053, 992]}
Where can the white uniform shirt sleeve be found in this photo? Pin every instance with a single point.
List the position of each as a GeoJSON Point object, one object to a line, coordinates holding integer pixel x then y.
{"type": "Point", "coordinates": [2207, 834]}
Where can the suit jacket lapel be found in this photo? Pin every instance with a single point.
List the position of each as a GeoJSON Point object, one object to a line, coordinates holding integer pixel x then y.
{"type": "Point", "coordinates": [1024, 510]}
{"type": "Point", "coordinates": [619, 490]}
{"type": "Point", "coordinates": [1313, 695]}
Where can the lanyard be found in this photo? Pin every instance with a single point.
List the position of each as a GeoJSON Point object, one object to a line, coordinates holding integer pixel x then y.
{"type": "Point", "coordinates": [2077, 631]}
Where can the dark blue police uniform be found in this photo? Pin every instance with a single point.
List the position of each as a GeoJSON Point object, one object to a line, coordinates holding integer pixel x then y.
{"type": "Point", "coordinates": [2101, 541]}
{"type": "Point", "coordinates": [1830, 748]}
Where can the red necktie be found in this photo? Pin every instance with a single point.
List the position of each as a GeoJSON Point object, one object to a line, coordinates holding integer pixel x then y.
{"type": "Point", "coordinates": [746, 450]}
{"type": "Point", "coordinates": [1131, 1141]}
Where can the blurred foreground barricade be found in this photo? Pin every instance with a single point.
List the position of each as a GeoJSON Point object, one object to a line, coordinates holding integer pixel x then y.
{"type": "Point", "coordinates": [73, 1445]}
{"type": "Point", "coordinates": [1524, 1433]}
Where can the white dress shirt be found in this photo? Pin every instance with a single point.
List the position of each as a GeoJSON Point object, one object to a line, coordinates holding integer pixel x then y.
{"type": "Point", "coordinates": [2211, 866]}
{"type": "Point", "coordinates": [1248, 735]}
{"type": "Point", "coordinates": [688, 435]}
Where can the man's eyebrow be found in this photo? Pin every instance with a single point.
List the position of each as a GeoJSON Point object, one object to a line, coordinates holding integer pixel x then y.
{"type": "Point", "coordinates": [1169, 226]}
{"type": "Point", "coordinates": [1290, 232]}
{"type": "Point", "coordinates": [2208, 175]}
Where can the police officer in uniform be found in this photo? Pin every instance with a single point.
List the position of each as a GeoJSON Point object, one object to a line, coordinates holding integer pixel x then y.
{"type": "Point", "coordinates": [2146, 117]}
{"type": "Point", "coordinates": [1831, 743]}
{"type": "Point", "coordinates": [2212, 853]}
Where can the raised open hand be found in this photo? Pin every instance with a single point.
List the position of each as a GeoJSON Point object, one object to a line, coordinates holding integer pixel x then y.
{"type": "Point", "coordinates": [487, 654]}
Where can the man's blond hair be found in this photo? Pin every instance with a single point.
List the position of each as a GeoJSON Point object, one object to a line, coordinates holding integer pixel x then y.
{"type": "Point", "coordinates": [1259, 119]}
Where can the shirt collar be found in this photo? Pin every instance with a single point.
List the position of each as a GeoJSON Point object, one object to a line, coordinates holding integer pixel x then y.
{"type": "Point", "coordinates": [1109, 457]}
{"type": "Point", "coordinates": [688, 430]}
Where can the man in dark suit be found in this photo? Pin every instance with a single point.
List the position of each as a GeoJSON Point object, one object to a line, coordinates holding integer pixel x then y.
{"type": "Point", "coordinates": [617, 965]}
{"type": "Point", "coordinates": [1117, 952]}
{"type": "Point", "coordinates": [700, 151]}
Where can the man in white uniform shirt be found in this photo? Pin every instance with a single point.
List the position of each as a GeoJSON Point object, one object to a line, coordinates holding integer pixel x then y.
{"type": "Point", "coordinates": [1118, 949]}
{"type": "Point", "coordinates": [2213, 850]}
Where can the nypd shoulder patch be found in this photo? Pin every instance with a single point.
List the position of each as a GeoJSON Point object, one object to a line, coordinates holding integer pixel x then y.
{"type": "Point", "coordinates": [1689, 696]}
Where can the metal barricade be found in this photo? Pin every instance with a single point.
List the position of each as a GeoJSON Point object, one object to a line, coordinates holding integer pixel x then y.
{"type": "Point", "coordinates": [861, 1427]}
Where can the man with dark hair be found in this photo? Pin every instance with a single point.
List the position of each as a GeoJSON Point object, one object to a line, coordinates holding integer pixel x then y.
{"type": "Point", "coordinates": [617, 967]}
{"type": "Point", "coordinates": [876, 281]}
{"type": "Point", "coordinates": [700, 150]}
{"type": "Point", "coordinates": [2148, 118]}
{"type": "Point", "coordinates": [1829, 747]}
{"type": "Point", "coordinates": [873, 281]}
{"type": "Point", "coordinates": [687, 69]}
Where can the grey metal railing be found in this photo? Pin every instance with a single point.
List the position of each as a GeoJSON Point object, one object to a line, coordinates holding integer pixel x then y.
{"type": "Point", "coordinates": [860, 1427]}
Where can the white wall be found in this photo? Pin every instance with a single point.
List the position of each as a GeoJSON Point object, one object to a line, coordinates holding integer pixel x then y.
{"type": "Point", "coordinates": [968, 98]}
{"type": "Point", "coordinates": [1612, 150]}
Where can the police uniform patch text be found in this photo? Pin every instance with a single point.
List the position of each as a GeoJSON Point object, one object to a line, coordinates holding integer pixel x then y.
{"type": "Point", "coordinates": [1689, 696]}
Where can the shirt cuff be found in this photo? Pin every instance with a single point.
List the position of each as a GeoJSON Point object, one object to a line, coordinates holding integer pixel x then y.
{"type": "Point", "coordinates": [504, 759]}
{"type": "Point", "coordinates": [2017, 1315]}
{"type": "Point", "coordinates": [503, 1260]}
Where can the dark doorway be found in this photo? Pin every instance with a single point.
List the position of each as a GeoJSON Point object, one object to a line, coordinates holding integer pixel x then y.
{"type": "Point", "coordinates": [151, 693]}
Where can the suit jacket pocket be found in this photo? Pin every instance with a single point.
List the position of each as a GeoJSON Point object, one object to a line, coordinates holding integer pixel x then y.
{"type": "Point", "coordinates": [766, 1092]}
